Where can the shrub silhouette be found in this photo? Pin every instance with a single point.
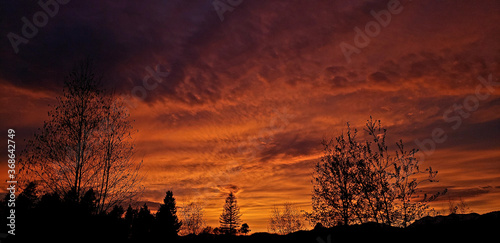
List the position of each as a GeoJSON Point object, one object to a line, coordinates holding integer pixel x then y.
{"type": "Point", "coordinates": [286, 220]}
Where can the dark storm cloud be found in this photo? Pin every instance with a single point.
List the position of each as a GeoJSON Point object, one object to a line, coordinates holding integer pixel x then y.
{"type": "Point", "coordinates": [121, 37]}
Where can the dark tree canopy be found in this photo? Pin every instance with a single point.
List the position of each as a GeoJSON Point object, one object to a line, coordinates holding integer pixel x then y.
{"type": "Point", "coordinates": [168, 223]}
{"type": "Point", "coordinates": [245, 228]}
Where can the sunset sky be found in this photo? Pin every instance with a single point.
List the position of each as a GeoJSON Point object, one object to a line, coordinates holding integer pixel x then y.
{"type": "Point", "coordinates": [251, 91]}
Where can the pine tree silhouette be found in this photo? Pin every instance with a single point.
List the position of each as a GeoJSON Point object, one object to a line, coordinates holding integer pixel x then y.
{"type": "Point", "coordinates": [167, 224]}
{"type": "Point", "coordinates": [230, 217]}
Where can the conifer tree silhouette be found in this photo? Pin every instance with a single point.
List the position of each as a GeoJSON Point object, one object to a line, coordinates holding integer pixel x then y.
{"type": "Point", "coordinates": [230, 217]}
{"type": "Point", "coordinates": [167, 223]}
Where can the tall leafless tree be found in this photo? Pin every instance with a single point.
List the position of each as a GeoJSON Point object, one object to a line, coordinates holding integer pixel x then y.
{"type": "Point", "coordinates": [85, 144]}
{"type": "Point", "coordinates": [118, 175]}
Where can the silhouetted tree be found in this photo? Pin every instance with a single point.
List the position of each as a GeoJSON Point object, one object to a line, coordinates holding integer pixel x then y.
{"type": "Point", "coordinates": [460, 207]}
{"type": "Point", "coordinates": [192, 218]}
{"type": "Point", "coordinates": [230, 217]}
{"type": "Point", "coordinates": [63, 151]}
{"type": "Point", "coordinates": [167, 224]}
{"type": "Point", "coordinates": [360, 181]}
{"type": "Point", "coordinates": [27, 199]}
{"type": "Point", "coordinates": [217, 231]}
{"type": "Point", "coordinates": [37, 214]}
{"type": "Point", "coordinates": [84, 145]}
{"type": "Point", "coordinates": [50, 211]}
{"type": "Point", "coordinates": [207, 230]}
{"type": "Point", "coordinates": [406, 169]}
{"type": "Point", "coordinates": [286, 220]}
{"type": "Point", "coordinates": [118, 173]}
{"type": "Point", "coordinates": [88, 203]}
{"type": "Point", "coordinates": [116, 212]}
{"type": "Point", "coordinates": [130, 218]}
{"type": "Point", "coordinates": [112, 226]}
{"type": "Point", "coordinates": [395, 179]}
{"type": "Point", "coordinates": [25, 207]}
{"type": "Point", "coordinates": [142, 224]}
{"type": "Point", "coordinates": [245, 229]}
{"type": "Point", "coordinates": [335, 191]}
{"type": "Point", "coordinates": [130, 214]}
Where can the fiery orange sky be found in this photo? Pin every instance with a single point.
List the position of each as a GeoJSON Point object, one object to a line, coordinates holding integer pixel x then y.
{"type": "Point", "coordinates": [247, 100]}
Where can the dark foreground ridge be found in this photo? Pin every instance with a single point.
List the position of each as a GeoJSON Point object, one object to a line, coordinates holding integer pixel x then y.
{"type": "Point", "coordinates": [454, 227]}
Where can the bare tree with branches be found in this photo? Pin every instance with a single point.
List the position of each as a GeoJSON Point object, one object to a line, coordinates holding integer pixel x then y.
{"type": "Point", "coordinates": [336, 191]}
{"type": "Point", "coordinates": [360, 181]}
{"type": "Point", "coordinates": [285, 220]}
{"type": "Point", "coordinates": [85, 144]}
{"type": "Point", "coordinates": [118, 178]}
{"type": "Point", "coordinates": [192, 218]}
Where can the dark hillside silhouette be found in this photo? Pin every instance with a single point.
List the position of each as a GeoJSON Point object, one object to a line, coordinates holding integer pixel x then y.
{"type": "Point", "coordinates": [452, 228]}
